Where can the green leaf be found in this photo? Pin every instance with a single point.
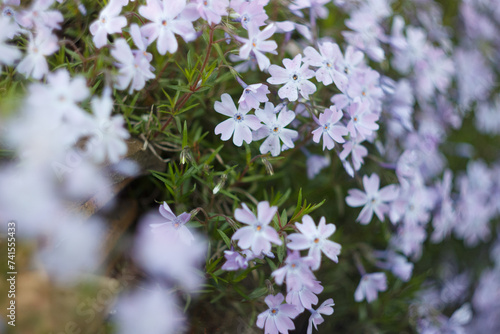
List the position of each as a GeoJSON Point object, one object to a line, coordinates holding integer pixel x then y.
{"type": "Point", "coordinates": [225, 238]}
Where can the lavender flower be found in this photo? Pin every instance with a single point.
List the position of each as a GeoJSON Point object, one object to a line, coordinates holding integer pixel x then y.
{"type": "Point", "coordinates": [295, 77]}
{"type": "Point", "coordinates": [175, 225]}
{"type": "Point", "coordinates": [369, 286]}
{"type": "Point", "coordinates": [240, 124]}
{"type": "Point", "coordinates": [329, 128]}
{"type": "Point", "coordinates": [315, 163]}
{"type": "Point", "coordinates": [8, 53]}
{"type": "Point", "coordinates": [235, 261]}
{"type": "Point", "coordinates": [252, 13]}
{"type": "Point", "coordinates": [356, 150]}
{"type": "Point", "coordinates": [274, 129]}
{"type": "Point", "coordinates": [277, 319]}
{"type": "Point", "coordinates": [257, 45]}
{"type": "Point", "coordinates": [315, 239]}
{"type": "Point", "coordinates": [40, 17]}
{"type": "Point", "coordinates": [373, 199]}
{"type": "Point", "coordinates": [258, 236]}
{"type": "Point", "coordinates": [316, 319]}
{"type": "Point", "coordinates": [108, 22]}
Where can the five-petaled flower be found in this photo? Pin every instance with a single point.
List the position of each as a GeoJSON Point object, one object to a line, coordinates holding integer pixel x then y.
{"type": "Point", "coordinates": [258, 235]}
{"type": "Point", "coordinates": [240, 124]}
{"type": "Point", "coordinates": [330, 128]}
{"type": "Point", "coordinates": [277, 319]}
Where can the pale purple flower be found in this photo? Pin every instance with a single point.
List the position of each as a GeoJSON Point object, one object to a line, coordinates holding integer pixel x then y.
{"type": "Point", "coordinates": [316, 319]}
{"type": "Point", "coordinates": [39, 16]}
{"type": "Point", "coordinates": [107, 132]}
{"type": "Point", "coordinates": [297, 272]}
{"type": "Point", "coordinates": [316, 240]}
{"type": "Point", "coordinates": [34, 63]}
{"type": "Point", "coordinates": [365, 85]}
{"type": "Point", "coordinates": [316, 7]}
{"type": "Point", "coordinates": [211, 10]}
{"type": "Point", "coordinates": [295, 76]}
{"type": "Point", "coordinates": [356, 150]}
{"type": "Point", "coordinates": [351, 62]}
{"type": "Point", "coordinates": [277, 319]}
{"type": "Point", "coordinates": [159, 312]}
{"type": "Point", "coordinates": [174, 225]}
{"type": "Point", "coordinates": [305, 297]}
{"type": "Point", "coordinates": [240, 124]}
{"type": "Point", "coordinates": [234, 261]}
{"type": "Point", "coordinates": [258, 235]}
{"type": "Point", "coordinates": [168, 18]}
{"type": "Point", "coordinates": [487, 117]}
{"type": "Point", "coordinates": [475, 77]}
{"type": "Point", "coordinates": [409, 239]}
{"type": "Point", "coordinates": [373, 200]}
{"type": "Point", "coordinates": [362, 123]}
{"type": "Point", "coordinates": [329, 128]}
{"type": "Point", "coordinates": [315, 163]}
{"type": "Point", "coordinates": [8, 53]}
{"type": "Point", "coordinates": [247, 64]}
{"type": "Point", "coordinates": [396, 263]}
{"type": "Point", "coordinates": [166, 256]}
{"type": "Point", "coordinates": [369, 286]}
{"type": "Point", "coordinates": [252, 13]}
{"type": "Point", "coordinates": [433, 73]}
{"type": "Point", "coordinates": [253, 96]}
{"type": "Point", "coordinates": [274, 129]}
{"type": "Point", "coordinates": [366, 35]}
{"type": "Point", "coordinates": [257, 45]}
{"type": "Point", "coordinates": [327, 60]}
{"type": "Point", "coordinates": [134, 67]}
{"type": "Point", "coordinates": [445, 218]}
{"type": "Point", "coordinates": [109, 22]}
{"type": "Point", "coordinates": [410, 50]}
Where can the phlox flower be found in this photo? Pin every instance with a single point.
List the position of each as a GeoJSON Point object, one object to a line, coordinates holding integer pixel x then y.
{"type": "Point", "coordinates": [316, 7]}
{"type": "Point", "coordinates": [252, 13]}
{"type": "Point", "coordinates": [39, 16]}
{"type": "Point", "coordinates": [330, 128]}
{"type": "Point", "coordinates": [237, 4]}
{"type": "Point", "coordinates": [274, 129]}
{"type": "Point", "coordinates": [258, 235]}
{"type": "Point", "coordinates": [433, 73]}
{"type": "Point", "coordinates": [175, 225]}
{"type": "Point", "coordinates": [108, 22]}
{"type": "Point", "coordinates": [369, 286]}
{"type": "Point", "coordinates": [362, 123]}
{"type": "Point", "coordinates": [365, 85]}
{"type": "Point", "coordinates": [159, 313]}
{"type": "Point", "coordinates": [295, 76]}
{"type": "Point", "coordinates": [373, 199]}
{"type": "Point", "coordinates": [396, 263]}
{"type": "Point", "coordinates": [134, 67]}
{"type": "Point", "coordinates": [8, 53]}
{"type": "Point", "coordinates": [316, 319]}
{"type": "Point", "coordinates": [257, 45]}
{"type": "Point", "coordinates": [305, 297]}
{"type": "Point", "coordinates": [366, 34]}
{"type": "Point", "coordinates": [109, 134]}
{"type": "Point", "coordinates": [234, 261]}
{"type": "Point", "coordinates": [253, 95]}
{"type": "Point", "coordinates": [240, 124]}
{"type": "Point", "coordinates": [168, 18]}
{"type": "Point", "coordinates": [277, 319]}
{"type": "Point", "coordinates": [352, 61]}
{"type": "Point", "coordinates": [327, 61]}
{"type": "Point", "coordinates": [356, 150]}
{"type": "Point", "coordinates": [315, 239]}
{"type": "Point", "coordinates": [297, 272]}
{"type": "Point", "coordinates": [34, 63]}
{"type": "Point", "coordinates": [247, 64]}
{"type": "Point", "coordinates": [166, 256]}
{"type": "Point", "coordinates": [409, 239]}
{"type": "Point", "coordinates": [211, 10]}
{"type": "Point", "coordinates": [315, 163]}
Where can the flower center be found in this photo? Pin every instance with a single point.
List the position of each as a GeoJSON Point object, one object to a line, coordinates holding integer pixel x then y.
{"type": "Point", "coordinates": [346, 70]}
{"type": "Point", "coordinates": [164, 23]}
{"type": "Point", "coordinates": [205, 3]}
{"type": "Point", "coordinates": [293, 265]}
{"type": "Point", "coordinates": [103, 20]}
{"type": "Point", "coordinates": [238, 117]}
{"type": "Point", "coordinates": [295, 77]}
{"type": "Point", "coordinates": [328, 64]}
{"type": "Point", "coordinates": [363, 93]}
{"type": "Point", "coordinates": [316, 240]}
{"type": "Point", "coordinates": [276, 129]}
{"type": "Point", "coordinates": [274, 311]}
{"type": "Point", "coordinates": [8, 12]}
{"type": "Point", "coordinates": [355, 118]}
{"type": "Point", "coordinates": [258, 228]}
